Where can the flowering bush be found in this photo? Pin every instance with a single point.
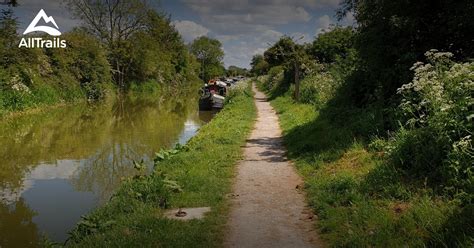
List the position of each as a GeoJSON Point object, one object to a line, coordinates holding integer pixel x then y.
{"type": "Point", "coordinates": [436, 140]}
{"type": "Point", "coordinates": [317, 88]}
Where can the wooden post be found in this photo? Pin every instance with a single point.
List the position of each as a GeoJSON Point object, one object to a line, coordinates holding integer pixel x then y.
{"type": "Point", "coordinates": [297, 82]}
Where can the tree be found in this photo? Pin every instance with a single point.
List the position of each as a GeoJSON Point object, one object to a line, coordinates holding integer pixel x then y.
{"type": "Point", "coordinates": [336, 43]}
{"type": "Point", "coordinates": [210, 54]}
{"type": "Point", "coordinates": [293, 56]}
{"type": "Point", "coordinates": [113, 22]}
{"type": "Point", "coordinates": [8, 37]}
{"type": "Point", "coordinates": [233, 71]}
{"type": "Point", "coordinates": [259, 65]}
{"type": "Point", "coordinates": [157, 52]}
{"type": "Point", "coordinates": [281, 52]}
{"type": "Point", "coordinates": [392, 35]}
{"type": "Point", "coordinates": [85, 59]}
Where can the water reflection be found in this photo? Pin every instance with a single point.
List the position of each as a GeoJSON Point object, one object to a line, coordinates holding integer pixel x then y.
{"type": "Point", "coordinates": [206, 116]}
{"type": "Point", "coordinates": [16, 226]}
{"type": "Point", "coordinates": [57, 166]}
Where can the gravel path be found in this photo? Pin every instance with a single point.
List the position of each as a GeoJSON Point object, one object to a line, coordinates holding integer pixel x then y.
{"type": "Point", "coordinates": [268, 209]}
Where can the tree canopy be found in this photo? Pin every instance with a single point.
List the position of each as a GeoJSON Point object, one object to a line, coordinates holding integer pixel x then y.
{"type": "Point", "coordinates": [259, 65]}
{"type": "Point", "coordinates": [392, 35]}
{"type": "Point", "coordinates": [337, 43]}
{"type": "Point", "coordinates": [233, 71]}
{"type": "Point", "coordinates": [142, 44]}
{"type": "Point", "coordinates": [209, 53]}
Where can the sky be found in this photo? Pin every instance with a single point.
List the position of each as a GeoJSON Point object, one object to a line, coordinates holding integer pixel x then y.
{"type": "Point", "coordinates": [244, 27]}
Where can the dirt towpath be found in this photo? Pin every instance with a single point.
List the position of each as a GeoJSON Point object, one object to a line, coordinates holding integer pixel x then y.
{"type": "Point", "coordinates": [267, 208]}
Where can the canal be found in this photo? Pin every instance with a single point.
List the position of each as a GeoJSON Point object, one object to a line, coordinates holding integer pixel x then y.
{"type": "Point", "coordinates": [62, 163]}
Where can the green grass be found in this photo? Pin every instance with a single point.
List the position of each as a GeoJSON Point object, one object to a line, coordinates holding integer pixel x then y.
{"type": "Point", "coordinates": [203, 171]}
{"type": "Point", "coordinates": [360, 200]}
{"type": "Point", "coordinates": [12, 101]}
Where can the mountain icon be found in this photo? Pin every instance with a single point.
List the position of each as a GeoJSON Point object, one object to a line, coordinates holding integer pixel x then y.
{"type": "Point", "coordinates": [47, 19]}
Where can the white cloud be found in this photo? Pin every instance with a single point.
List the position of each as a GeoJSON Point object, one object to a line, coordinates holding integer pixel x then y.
{"type": "Point", "coordinates": [190, 30]}
{"type": "Point", "coordinates": [232, 17]}
{"type": "Point", "coordinates": [269, 36]}
{"type": "Point", "coordinates": [240, 52]}
{"type": "Point", "coordinates": [259, 23]}
{"type": "Point", "coordinates": [323, 23]}
{"type": "Point", "coordinates": [301, 38]}
{"type": "Point", "coordinates": [62, 169]}
{"type": "Point", "coordinates": [27, 10]}
{"type": "Point", "coordinates": [226, 38]}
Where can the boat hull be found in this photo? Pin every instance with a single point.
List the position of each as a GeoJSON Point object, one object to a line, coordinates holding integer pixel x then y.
{"type": "Point", "coordinates": [205, 104]}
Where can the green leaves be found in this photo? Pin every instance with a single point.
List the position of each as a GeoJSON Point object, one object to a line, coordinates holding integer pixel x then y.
{"type": "Point", "coordinates": [89, 225]}
{"type": "Point", "coordinates": [140, 166]}
{"type": "Point", "coordinates": [437, 138]}
{"type": "Point", "coordinates": [336, 43]}
{"type": "Point", "coordinates": [165, 154]}
{"type": "Point", "coordinates": [259, 65]}
{"type": "Point", "coordinates": [210, 54]}
{"type": "Point", "coordinates": [172, 185]}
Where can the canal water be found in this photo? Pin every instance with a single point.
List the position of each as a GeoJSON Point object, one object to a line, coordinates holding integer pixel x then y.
{"type": "Point", "coordinates": [60, 164]}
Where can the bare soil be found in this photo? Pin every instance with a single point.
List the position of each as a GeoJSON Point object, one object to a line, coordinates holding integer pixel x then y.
{"type": "Point", "coordinates": [268, 206]}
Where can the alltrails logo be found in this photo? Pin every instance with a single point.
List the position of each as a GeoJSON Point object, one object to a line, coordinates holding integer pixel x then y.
{"type": "Point", "coordinates": [40, 42]}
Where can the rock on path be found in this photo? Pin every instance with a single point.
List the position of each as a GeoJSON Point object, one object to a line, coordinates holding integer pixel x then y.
{"type": "Point", "coordinates": [267, 208]}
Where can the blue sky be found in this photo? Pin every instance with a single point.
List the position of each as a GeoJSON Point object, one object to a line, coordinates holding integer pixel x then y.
{"type": "Point", "coordinates": [245, 27]}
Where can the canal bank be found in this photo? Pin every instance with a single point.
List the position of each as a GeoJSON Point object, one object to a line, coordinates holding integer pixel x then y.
{"type": "Point", "coordinates": [199, 175]}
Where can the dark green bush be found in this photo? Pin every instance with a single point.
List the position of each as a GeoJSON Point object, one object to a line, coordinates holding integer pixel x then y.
{"type": "Point", "coordinates": [275, 76]}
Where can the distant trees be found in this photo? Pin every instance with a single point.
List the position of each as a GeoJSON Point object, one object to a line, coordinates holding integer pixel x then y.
{"type": "Point", "coordinates": [233, 71]}
{"type": "Point", "coordinates": [293, 56]}
{"type": "Point", "coordinates": [259, 65]}
{"type": "Point", "coordinates": [209, 53]}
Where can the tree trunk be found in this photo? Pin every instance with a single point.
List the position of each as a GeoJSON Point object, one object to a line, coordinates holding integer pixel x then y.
{"type": "Point", "coordinates": [297, 82]}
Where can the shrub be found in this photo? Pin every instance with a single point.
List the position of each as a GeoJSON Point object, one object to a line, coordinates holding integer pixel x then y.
{"type": "Point", "coordinates": [147, 87]}
{"type": "Point", "coordinates": [150, 188]}
{"type": "Point", "coordinates": [86, 61]}
{"type": "Point", "coordinates": [237, 90]}
{"type": "Point", "coordinates": [275, 76]}
{"type": "Point", "coordinates": [317, 89]}
{"type": "Point", "coordinates": [436, 139]}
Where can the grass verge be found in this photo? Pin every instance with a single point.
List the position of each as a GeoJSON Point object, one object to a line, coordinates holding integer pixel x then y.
{"type": "Point", "coordinates": [361, 201]}
{"type": "Point", "coordinates": [197, 175]}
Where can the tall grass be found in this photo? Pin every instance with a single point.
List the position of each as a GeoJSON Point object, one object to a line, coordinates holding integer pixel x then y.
{"type": "Point", "coordinates": [13, 101]}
